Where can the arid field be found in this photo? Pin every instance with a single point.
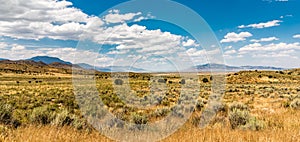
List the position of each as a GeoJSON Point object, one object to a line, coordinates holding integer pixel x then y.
{"type": "Point", "coordinates": [257, 106]}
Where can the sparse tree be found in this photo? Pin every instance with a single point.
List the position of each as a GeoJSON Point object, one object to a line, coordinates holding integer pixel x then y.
{"type": "Point", "coordinates": [119, 82]}
{"type": "Point", "coordinates": [161, 80]}
{"type": "Point", "coordinates": [182, 81]}
{"type": "Point", "coordinates": [205, 80]}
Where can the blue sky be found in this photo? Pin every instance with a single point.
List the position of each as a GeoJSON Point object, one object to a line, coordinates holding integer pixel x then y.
{"type": "Point", "coordinates": [250, 32]}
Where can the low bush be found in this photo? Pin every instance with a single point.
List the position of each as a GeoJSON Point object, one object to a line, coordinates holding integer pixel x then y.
{"type": "Point", "coordinates": [139, 119]}
{"type": "Point", "coordinates": [253, 124]}
{"type": "Point", "coordinates": [119, 82]}
{"type": "Point", "coordinates": [238, 118]}
{"type": "Point", "coordinates": [161, 112]}
{"type": "Point", "coordinates": [6, 114]}
{"type": "Point", "coordinates": [42, 115]}
{"type": "Point", "coordinates": [199, 105]}
{"type": "Point", "coordinates": [239, 106]}
{"type": "Point", "coordinates": [205, 80]}
{"type": "Point", "coordinates": [182, 81]}
{"type": "Point", "coordinates": [286, 104]}
{"type": "Point", "coordinates": [64, 118]}
{"type": "Point", "coordinates": [81, 124]}
{"type": "Point", "coordinates": [161, 80]}
{"type": "Point", "coordinates": [295, 104]}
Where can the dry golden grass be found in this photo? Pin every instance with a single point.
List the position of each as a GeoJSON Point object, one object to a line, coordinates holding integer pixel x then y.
{"type": "Point", "coordinates": [280, 127]}
{"type": "Point", "coordinates": [53, 134]}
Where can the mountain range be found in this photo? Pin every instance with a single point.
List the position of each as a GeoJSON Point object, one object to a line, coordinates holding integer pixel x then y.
{"type": "Point", "coordinates": [58, 63]}
{"type": "Point", "coordinates": [111, 68]}
{"type": "Point", "coordinates": [220, 67]}
{"type": "Point", "coordinates": [49, 60]}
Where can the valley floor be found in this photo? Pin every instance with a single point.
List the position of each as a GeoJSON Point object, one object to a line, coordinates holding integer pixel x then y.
{"type": "Point", "coordinates": [257, 106]}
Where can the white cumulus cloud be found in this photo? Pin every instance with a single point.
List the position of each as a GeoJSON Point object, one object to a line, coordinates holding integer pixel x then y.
{"type": "Point", "coordinates": [44, 19]}
{"type": "Point", "coordinates": [296, 36]}
{"type": "Point", "coordinates": [236, 37]}
{"type": "Point", "coordinates": [265, 39]}
{"type": "Point", "coordinates": [3, 45]}
{"type": "Point", "coordinates": [270, 47]}
{"type": "Point", "coordinates": [262, 25]}
{"type": "Point", "coordinates": [189, 42]}
{"type": "Point", "coordinates": [16, 47]}
{"type": "Point", "coordinates": [114, 16]}
{"type": "Point", "coordinates": [282, 0]}
{"type": "Point", "coordinates": [230, 52]}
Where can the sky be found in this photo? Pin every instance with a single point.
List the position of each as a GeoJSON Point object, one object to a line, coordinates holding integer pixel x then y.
{"type": "Point", "coordinates": [114, 33]}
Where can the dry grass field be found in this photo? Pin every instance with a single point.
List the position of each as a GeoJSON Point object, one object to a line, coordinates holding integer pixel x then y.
{"type": "Point", "coordinates": [257, 106]}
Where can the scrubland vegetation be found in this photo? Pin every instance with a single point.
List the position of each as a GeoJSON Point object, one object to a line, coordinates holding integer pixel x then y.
{"type": "Point", "coordinates": [257, 106]}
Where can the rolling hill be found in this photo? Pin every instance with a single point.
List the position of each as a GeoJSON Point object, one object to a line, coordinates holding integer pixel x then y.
{"type": "Point", "coordinates": [30, 66]}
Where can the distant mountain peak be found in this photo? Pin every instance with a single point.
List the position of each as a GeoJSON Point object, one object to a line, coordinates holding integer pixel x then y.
{"type": "Point", "coordinates": [48, 60]}
{"type": "Point", "coordinates": [1, 59]}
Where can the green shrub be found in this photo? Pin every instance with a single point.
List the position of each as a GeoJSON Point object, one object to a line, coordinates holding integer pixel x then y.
{"type": "Point", "coordinates": [165, 102]}
{"type": "Point", "coordinates": [119, 82]}
{"type": "Point", "coordinates": [205, 80]}
{"type": "Point", "coordinates": [20, 115]}
{"type": "Point", "coordinates": [161, 112]}
{"type": "Point", "coordinates": [238, 118]}
{"type": "Point", "coordinates": [6, 114]}
{"type": "Point", "coordinates": [41, 115]}
{"type": "Point", "coordinates": [286, 104]}
{"type": "Point", "coordinates": [81, 124]}
{"type": "Point", "coordinates": [139, 119]}
{"type": "Point", "coordinates": [199, 105]}
{"type": "Point", "coordinates": [161, 80]}
{"type": "Point", "coordinates": [239, 106]}
{"type": "Point", "coordinates": [254, 124]}
{"type": "Point", "coordinates": [182, 81]}
{"type": "Point", "coordinates": [64, 118]}
{"type": "Point", "coordinates": [295, 104]}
